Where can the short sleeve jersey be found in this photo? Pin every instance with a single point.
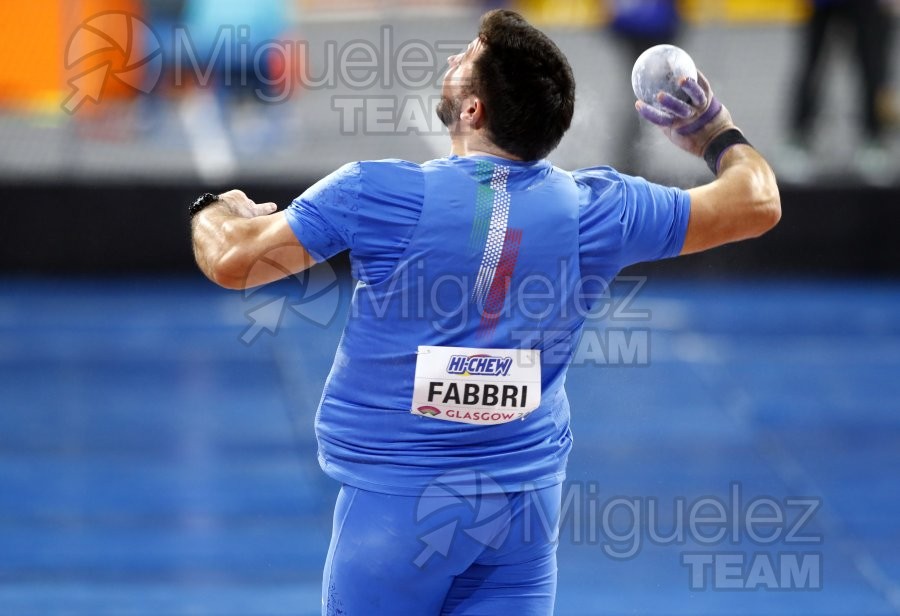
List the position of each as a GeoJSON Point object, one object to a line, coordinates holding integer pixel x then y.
{"type": "Point", "coordinates": [377, 210]}
{"type": "Point", "coordinates": [371, 209]}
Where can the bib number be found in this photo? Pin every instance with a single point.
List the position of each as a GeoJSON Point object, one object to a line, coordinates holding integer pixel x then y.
{"type": "Point", "coordinates": [476, 386]}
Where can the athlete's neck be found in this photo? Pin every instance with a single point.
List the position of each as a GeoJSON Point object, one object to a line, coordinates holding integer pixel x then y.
{"type": "Point", "coordinates": [475, 146]}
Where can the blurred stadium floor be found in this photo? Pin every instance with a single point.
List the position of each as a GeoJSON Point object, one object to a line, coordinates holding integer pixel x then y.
{"type": "Point", "coordinates": [153, 464]}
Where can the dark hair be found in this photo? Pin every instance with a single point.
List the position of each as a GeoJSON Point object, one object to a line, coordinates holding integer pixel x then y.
{"type": "Point", "coordinates": [526, 84]}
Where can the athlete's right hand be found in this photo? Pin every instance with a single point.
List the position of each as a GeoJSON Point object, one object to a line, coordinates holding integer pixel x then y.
{"type": "Point", "coordinates": [692, 125]}
{"type": "Point", "coordinates": [237, 203]}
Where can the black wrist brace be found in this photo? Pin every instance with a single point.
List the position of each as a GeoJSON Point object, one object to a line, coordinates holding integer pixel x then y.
{"type": "Point", "coordinates": [717, 147]}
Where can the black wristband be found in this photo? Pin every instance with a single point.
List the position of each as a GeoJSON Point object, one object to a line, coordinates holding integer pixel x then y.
{"type": "Point", "coordinates": [201, 202]}
{"type": "Point", "coordinates": [713, 152]}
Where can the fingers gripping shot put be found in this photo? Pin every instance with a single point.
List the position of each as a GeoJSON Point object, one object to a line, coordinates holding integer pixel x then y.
{"type": "Point", "coordinates": [426, 409]}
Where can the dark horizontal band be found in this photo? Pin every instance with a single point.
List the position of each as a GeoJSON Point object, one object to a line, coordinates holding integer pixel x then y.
{"type": "Point", "coordinates": [201, 202]}
{"type": "Point", "coordinates": [717, 147]}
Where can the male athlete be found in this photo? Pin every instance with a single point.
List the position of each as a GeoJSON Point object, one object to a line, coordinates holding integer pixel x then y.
{"type": "Point", "coordinates": [475, 273]}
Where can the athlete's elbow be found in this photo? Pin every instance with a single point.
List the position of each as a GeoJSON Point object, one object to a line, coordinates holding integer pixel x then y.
{"type": "Point", "coordinates": [230, 270]}
{"type": "Point", "coordinates": [227, 282]}
{"type": "Point", "coordinates": [772, 215]}
{"type": "Point", "coordinates": [767, 207]}
{"type": "Point", "coordinates": [763, 200]}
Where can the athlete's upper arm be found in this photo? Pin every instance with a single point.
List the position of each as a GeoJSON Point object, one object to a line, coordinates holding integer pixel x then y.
{"type": "Point", "coordinates": [640, 220]}
{"type": "Point", "coordinates": [655, 221]}
{"type": "Point", "coordinates": [369, 208]}
{"type": "Point", "coordinates": [325, 217]}
{"type": "Point", "coordinates": [262, 250]}
{"type": "Point", "coordinates": [743, 202]}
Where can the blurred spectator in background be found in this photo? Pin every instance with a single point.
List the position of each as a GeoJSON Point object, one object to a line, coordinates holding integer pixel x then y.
{"type": "Point", "coordinates": [887, 97]}
{"type": "Point", "coordinates": [866, 25]}
{"type": "Point", "coordinates": [638, 24]}
{"type": "Point", "coordinates": [227, 113]}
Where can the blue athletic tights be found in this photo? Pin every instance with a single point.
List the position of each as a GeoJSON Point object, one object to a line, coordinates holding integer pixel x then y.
{"type": "Point", "coordinates": [442, 553]}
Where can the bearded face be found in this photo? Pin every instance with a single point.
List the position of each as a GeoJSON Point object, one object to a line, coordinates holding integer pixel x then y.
{"type": "Point", "coordinates": [448, 109]}
{"type": "Point", "coordinates": [457, 83]}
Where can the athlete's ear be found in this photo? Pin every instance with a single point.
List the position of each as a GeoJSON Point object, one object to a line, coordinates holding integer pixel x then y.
{"type": "Point", "coordinates": [472, 113]}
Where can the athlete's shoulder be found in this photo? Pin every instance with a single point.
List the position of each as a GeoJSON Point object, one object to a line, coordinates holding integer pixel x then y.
{"type": "Point", "coordinates": [389, 180]}
{"type": "Point", "coordinates": [388, 166]}
{"type": "Point", "coordinates": [599, 177]}
{"type": "Point", "coordinates": [599, 185]}
{"type": "Point", "coordinates": [646, 219]}
{"type": "Point", "coordinates": [389, 173]}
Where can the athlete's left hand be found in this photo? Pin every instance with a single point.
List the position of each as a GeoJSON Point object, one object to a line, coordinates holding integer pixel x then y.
{"type": "Point", "coordinates": [690, 125]}
{"type": "Point", "coordinates": [237, 203]}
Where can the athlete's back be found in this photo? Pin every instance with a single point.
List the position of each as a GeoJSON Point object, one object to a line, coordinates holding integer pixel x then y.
{"type": "Point", "coordinates": [454, 355]}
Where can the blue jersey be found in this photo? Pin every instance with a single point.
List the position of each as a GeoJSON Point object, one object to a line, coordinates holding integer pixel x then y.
{"type": "Point", "coordinates": [480, 268]}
